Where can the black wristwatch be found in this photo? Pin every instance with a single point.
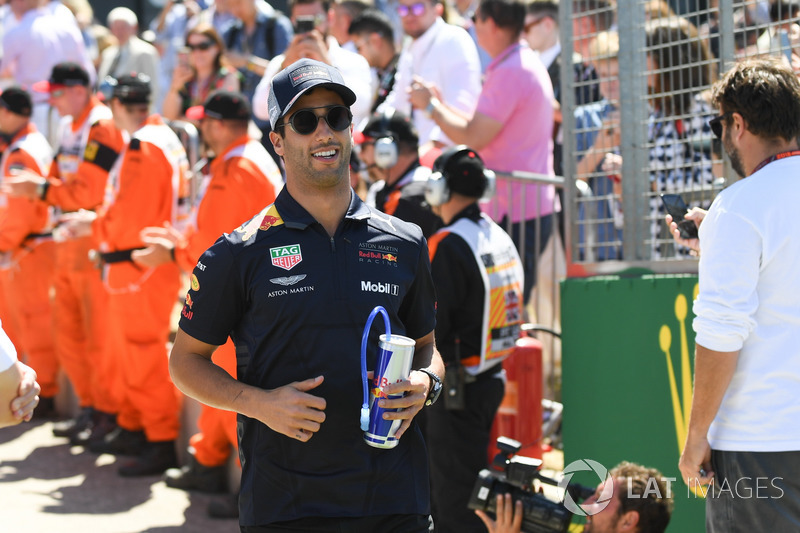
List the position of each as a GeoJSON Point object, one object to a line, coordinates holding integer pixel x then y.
{"type": "Point", "coordinates": [436, 387]}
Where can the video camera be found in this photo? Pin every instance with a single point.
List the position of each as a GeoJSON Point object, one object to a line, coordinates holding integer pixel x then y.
{"type": "Point", "coordinates": [514, 474]}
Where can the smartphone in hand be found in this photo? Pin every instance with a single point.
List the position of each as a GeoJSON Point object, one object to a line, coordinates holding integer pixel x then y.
{"type": "Point", "coordinates": [305, 24]}
{"type": "Point", "coordinates": [677, 208]}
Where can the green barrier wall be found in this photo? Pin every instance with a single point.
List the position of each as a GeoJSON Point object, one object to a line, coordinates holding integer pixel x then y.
{"type": "Point", "coordinates": [627, 360]}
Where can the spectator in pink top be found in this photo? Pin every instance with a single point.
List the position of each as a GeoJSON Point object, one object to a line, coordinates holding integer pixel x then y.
{"type": "Point", "coordinates": [512, 127]}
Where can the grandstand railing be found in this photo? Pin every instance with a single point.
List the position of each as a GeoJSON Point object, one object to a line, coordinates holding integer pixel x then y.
{"type": "Point", "coordinates": [543, 309]}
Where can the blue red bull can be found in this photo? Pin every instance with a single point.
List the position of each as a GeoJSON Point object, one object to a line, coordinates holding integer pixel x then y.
{"type": "Point", "coordinates": [394, 365]}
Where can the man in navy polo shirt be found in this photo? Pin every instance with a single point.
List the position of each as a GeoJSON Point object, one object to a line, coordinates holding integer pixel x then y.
{"type": "Point", "coordinates": [293, 288]}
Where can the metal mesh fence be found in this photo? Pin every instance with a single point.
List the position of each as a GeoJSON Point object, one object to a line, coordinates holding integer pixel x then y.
{"type": "Point", "coordinates": [636, 117]}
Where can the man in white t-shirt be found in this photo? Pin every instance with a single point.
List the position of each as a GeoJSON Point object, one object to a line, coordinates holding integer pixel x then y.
{"type": "Point", "coordinates": [743, 431]}
{"type": "Point", "coordinates": [442, 54]}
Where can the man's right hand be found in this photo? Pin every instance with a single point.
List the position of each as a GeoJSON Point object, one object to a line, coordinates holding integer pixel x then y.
{"type": "Point", "coordinates": [290, 410]}
{"type": "Point", "coordinates": [77, 224]}
{"type": "Point", "coordinates": [24, 184]}
{"type": "Point", "coordinates": [696, 215]}
{"type": "Point", "coordinates": [509, 518]}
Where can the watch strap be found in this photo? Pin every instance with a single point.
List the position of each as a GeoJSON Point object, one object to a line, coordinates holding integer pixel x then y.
{"type": "Point", "coordinates": [435, 388]}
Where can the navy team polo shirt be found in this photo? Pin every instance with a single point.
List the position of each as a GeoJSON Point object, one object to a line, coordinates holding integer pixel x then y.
{"type": "Point", "coordinates": [295, 301]}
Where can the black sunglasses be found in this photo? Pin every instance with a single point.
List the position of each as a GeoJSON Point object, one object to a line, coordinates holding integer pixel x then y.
{"type": "Point", "coordinates": [305, 121]}
{"type": "Point", "coordinates": [201, 46]}
{"type": "Point", "coordinates": [716, 124]}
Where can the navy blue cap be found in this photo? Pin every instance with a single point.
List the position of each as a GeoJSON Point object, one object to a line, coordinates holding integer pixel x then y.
{"type": "Point", "coordinates": [299, 77]}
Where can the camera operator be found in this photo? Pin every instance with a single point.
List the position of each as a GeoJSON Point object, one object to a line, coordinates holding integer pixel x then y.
{"type": "Point", "coordinates": [635, 506]}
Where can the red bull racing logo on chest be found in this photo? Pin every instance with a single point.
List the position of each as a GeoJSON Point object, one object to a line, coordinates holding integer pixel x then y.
{"type": "Point", "coordinates": [377, 254]}
{"type": "Point", "coordinates": [286, 257]}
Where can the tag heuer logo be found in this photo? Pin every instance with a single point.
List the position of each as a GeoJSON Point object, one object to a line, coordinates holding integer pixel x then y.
{"type": "Point", "coordinates": [286, 257]}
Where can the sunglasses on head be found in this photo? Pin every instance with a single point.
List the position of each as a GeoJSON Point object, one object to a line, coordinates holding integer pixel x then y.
{"type": "Point", "coordinates": [416, 9]}
{"type": "Point", "coordinates": [716, 125]}
{"type": "Point", "coordinates": [305, 121]}
{"type": "Point", "coordinates": [205, 45]}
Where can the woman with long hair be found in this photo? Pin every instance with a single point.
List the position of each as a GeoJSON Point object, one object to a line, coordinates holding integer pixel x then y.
{"type": "Point", "coordinates": [681, 68]}
{"type": "Point", "coordinates": [201, 70]}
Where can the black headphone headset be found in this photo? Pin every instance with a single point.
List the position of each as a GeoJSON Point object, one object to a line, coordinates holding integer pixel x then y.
{"type": "Point", "coordinates": [437, 189]}
{"type": "Point", "coordinates": [385, 148]}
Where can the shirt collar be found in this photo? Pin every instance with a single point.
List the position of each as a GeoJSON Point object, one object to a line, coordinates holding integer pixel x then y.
{"type": "Point", "coordinates": [550, 55]}
{"type": "Point", "coordinates": [430, 34]}
{"type": "Point", "coordinates": [472, 212]}
{"type": "Point", "coordinates": [295, 216]}
{"type": "Point", "coordinates": [220, 158]}
{"type": "Point", "coordinates": [514, 48]}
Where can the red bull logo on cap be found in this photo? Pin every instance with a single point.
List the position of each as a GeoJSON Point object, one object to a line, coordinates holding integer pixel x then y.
{"type": "Point", "coordinates": [306, 72]}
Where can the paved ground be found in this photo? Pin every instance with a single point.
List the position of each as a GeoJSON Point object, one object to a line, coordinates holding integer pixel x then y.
{"type": "Point", "coordinates": [48, 486]}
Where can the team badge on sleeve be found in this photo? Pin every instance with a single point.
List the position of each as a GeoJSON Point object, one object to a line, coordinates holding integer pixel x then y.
{"type": "Point", "coordinates": [271, 218]}
{"type": "Point", "coordinates": [91, 151]}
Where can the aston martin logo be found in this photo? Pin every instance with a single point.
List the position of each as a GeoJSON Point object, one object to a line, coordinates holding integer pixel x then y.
{"type": "Point", "coordinates": [288, 280]}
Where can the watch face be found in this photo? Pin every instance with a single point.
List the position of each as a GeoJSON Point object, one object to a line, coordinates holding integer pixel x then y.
{"type": "Point", "coordinates": [433, 394]}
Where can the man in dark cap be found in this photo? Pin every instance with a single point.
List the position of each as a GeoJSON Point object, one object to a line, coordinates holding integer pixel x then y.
{"type": "Point", "coordinates": [478, 277]}
{"type": "Point", "coordinates": [88, 146]}
{"type": "Point", "coordinates": [290, 289]}
{"type": "Point", "coordinates": [390, 151]}
{"type": "Point", "coordinates": [144, 188]}
{"type": "Point", "coordinates": [27, 252]}
{"type": "Point", "coordinates": [242, 178]}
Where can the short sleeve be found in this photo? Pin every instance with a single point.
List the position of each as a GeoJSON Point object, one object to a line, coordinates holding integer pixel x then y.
{"type": "Point", "coordinates": [214, 302]}
{"type": "Point", "coordinates": [8, 354]}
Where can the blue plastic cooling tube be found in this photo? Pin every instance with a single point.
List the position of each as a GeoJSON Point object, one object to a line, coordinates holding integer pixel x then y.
{"type": "Point", "coordinates": [364, 379]}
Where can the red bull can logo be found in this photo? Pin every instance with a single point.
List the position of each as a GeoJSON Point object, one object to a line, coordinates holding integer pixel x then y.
{"type": "Point", "coordinates": [394, 365]}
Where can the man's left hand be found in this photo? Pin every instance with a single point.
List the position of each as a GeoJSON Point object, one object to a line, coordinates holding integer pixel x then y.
{"type": "Point", "coordinates": [309, 45]}
{"type": "Point", "coordinates": [415, 390]}
{"type": "Point", "coordinates": [695, 461]}
{"type": "Point", "coordinates": [160, 243]}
